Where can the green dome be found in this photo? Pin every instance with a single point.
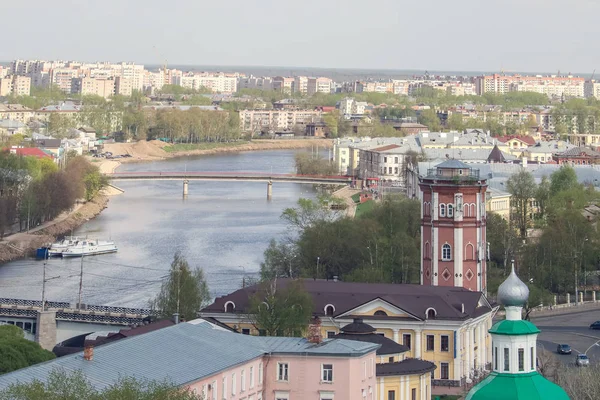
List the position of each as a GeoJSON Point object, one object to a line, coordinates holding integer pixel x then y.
{"type": "Point", "coordinates": [515, 328]}
{"type": "Point", "coordinates": [528, 386]}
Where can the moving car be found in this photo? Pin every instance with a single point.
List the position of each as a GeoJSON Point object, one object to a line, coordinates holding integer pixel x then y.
{"type": "Point", "coordinates": [595, 325]}
{"type": "Point", "coordinates": [563, 349]}
{"type": "Point", "coordinates": [582, 360]}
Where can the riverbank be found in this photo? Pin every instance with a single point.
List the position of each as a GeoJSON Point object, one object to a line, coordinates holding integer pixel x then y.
{"type": "Point", "coordinates": [23, 244]}
{"type": "Point", "coordinates": [155, 150]}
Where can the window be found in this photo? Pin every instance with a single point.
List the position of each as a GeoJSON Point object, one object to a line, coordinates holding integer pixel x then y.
{"type": "Point", "coordinates": [327, 372]}
{"type": "Point", "coordinates": [213, 388]}
{"type": "Point", "coordinates": [329, 309]}
{"type": "Point", "coordinates": [406, 340]}
{"type": "Point", "coordinates": [224, 387]}
{"type": "Point", "coordinates": [430, 342]}
{"type": "Point", "coordinates": [391, 395]}
{"type": "Point", "coordinates": [380, 313]}
{"type": "Point", "coordinates": [330, 334]}
{"type": "Point", "coordinates": [395, 170]}
{"type": "Point", "coordinates": [391, 359]}
{"type": "Point", "coordinates": [445, 343]}
{"type": "Point", "coordinates": [442, 210]}
{"type": "Point", "coordinates": [450, 210]}
{"type": "Point", "coordinates": [251, 377]}
{"type": "Point", "coordinates": [384, 159]}
{"type": "Point", "coordinates": [260, 373]}
{"type": "Point", "coordinates": [243, 381]}
{"type": "Point", "coordinates": [282, 372]}
{"type": "Point", "coordinates": [233, 382]}
{"type": "Point", "coordinates": [389, 170]}
{"type": "Point", "coordinates": [521, 359]}
{"type": "Point", "coordinates": [444, 370]}
{"type": "Point", "coordinates": [364, 365]}
{"type": "Point", "coordinates": [282, 395]}
{"type": "Point", "coordinates": [532, 357]}
{"type": "Point", "coordinates": [413, 395]}
{"type": "Point", "coordinates": [446, 252]}
{"type": "Point", "coordinates": [506, 359]}
{"type": "Point", "coordinates": [496, 358]}
{"type": "Point", "coordinates": [396, 160]}
{"type": "Point", "coordinates": [245, 331]}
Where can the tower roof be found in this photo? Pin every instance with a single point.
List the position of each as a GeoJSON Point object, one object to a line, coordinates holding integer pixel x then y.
{"type": "Point", "coordinates": [513, 292]}
{"type": "Point", "coordinates": [530, 386]}
{"type": "Point", "coordinates": [452, 163]}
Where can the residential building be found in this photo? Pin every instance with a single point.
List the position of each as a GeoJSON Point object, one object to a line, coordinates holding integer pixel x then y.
{"type": "Point", "coordinates": [515, 373]}
{"type": "Point", "coordinates": [65, 108]}
{"type": "Point", "coordinates": [16, 112]}
{"type": "Point", "coordinates": [15, 85]}
{"type": "Point", "coordinates": [517, 144]}
{"type": "Point", "coordinates": [123, 86]}
{"type": "Point", "coordinates": [317, 129]}
{"type": "Point", "coordinates": [93, 86]}
{"type": "Point", "coordinates": [453, 234]}
{"type": "Point", "coordinates": [30, 152]}
{"type": "Point", "coordinates": [252, 82]}
{"type": "Point", "coordinates": [9, 127]}
{"type": "Point", "coordinates": [318, 85]}
{"type": "Point", "coordinates": [217, 83]}
{"type": "Point", "coordinates": [553, 86]}
{"type": "Point", "coordinates": [577, 156]}
{"type": "Point", "coordinates": [385, 160]}
{"type": "Point", "coordinates": [350, 107]}
{"type": "Point", "coordinates": [283, 84]}
{"type": "Point", "coordinates": [301, 84]}
{"type": "Point", "coordinates": [498, 201]}
{"type": "Point", "coordinates": [63, 78]}
{"type": "Point", "coordinates": [258, 120]}
{"type": "Point", "coordinates": [218, 364]}
{"type": "Point", "coordinates": [543, 152]}
{"type": "Point", "coordinates": [442, 324]}
{"type": "Point", "coordinates": [592, 89]}
{"type": "Point", "coordinates": [6, 86]}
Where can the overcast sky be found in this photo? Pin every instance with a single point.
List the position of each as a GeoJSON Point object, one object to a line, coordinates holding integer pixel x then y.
{"type": "Point", "coordinates": [460, 35]}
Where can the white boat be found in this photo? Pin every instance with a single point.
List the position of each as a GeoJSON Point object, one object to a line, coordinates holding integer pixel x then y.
{"type": "Point", "coordinates": [56, 249]}
{"type": "Point", "coordinates": [90, 247]}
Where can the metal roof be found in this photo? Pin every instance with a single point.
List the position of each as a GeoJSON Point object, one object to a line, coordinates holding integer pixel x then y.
{"type": "Point", "coordinates": [453, 164]}
{"type": "Point", "coordinates": [182, 353]}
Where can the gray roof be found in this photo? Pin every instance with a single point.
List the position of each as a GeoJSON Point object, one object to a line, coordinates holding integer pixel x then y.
{"type": "Point", "coordinates": [453, 164]}
{"type": "Point", "coordinates": [182, 353]}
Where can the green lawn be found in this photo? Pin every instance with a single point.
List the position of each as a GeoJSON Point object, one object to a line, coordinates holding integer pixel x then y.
{"type": "Point", "coordinates": [356, 197]}
{"type": "Point", "coordinates": [364, 207]}
{"type": "Point", "coordinates": [201, 146]}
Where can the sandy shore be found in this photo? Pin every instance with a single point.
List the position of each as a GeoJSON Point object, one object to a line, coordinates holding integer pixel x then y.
{"type": "Point", "coordinates": [154, 150]}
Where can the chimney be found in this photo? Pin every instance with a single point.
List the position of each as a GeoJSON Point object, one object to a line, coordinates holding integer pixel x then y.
{"type": "Point", "coordinates": [88, 353]}
{"type": "Point", "coordinates": [176, 318]}
{"type": "Point", "coordinates": [314, 331]}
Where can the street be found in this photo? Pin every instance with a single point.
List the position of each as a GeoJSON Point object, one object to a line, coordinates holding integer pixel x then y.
{"type": "Point", "coordinates": [572, 329]}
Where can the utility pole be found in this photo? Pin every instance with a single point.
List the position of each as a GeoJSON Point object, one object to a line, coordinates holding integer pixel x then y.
{"type": "Point", "coordinates": [44, 282]}
{"type": "Point", "coordinates": [80, 283]}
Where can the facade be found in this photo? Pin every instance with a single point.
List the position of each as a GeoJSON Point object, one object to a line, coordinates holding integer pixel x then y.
{"type": "Point", "coordinates": [16, 112]}
{"type": "Point", "coordinates": [516, 145]}
{"type": "Point", "coordinates": [577, 156]}
{"type": "Point", "coordinates": [498, 201]}
{"type": "Point", "coordinates": [252, 82]}
{"type": "Point", "coordinates": [552, 86]}
{"type": "Point", "coordinates": [514, 342]}
{"type": "Point", "coordinates": [15, 85]}
{"type": "Point", "coordinates": [301, 84]}
{"type": "Point", "coordinates": [221, 364]}
{"type": "Point", "coordinates": [283, 84]}
{"type": "Point", "coordinates": [257, 120]}
{"type": "Point", "coordinates": [123, 86]}
{"type": "Point", "coordinates": [443, 325]}
{"type": "Point", "coordinates": [453, 234]}
{"type": "Point", "coordinates": [592, 89]}
{"type": "Point", "coordinates": [318, 85]}
{"type": "Point", "coordinates": [93, 86]}
{"type": "Point", "coordinates": [316, 129]}
{"type": "Point", "coordinates": [217, 83]}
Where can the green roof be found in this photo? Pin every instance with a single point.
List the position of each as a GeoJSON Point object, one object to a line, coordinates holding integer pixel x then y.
{"type": "Point", "coordinates": [528, 386]}
{"type": "Point", "coordinates": [516, 328]}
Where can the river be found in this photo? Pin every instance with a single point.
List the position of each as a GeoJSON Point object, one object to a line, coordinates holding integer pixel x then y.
{"type": "Point", "coordinates": [222, 227]}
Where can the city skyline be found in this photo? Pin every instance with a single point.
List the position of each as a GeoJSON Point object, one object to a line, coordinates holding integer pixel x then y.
{"type": "Point", "coordinates": [469, 37]}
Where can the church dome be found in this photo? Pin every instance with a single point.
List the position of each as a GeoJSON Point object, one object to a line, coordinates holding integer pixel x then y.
{"type": "Point", "coordinates": [530, 386]}
{"type": "Point", "coordinates": [513, 292]}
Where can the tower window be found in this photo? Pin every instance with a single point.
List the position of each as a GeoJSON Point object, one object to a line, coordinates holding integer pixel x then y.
{"type": "Point", "coordinates": [506, 359]}
{"type": "Point", "coordinates": [446, 252]}
{"type": "Point", "coordinates": [450, 210]}
{"type": "Point", "coordinates": [442, 210]}
{"type": "Point", "coordinates": [521, 359]}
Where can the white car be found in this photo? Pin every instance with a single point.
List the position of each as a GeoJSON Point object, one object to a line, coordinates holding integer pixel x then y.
{"type": "Point", "coordinates": [582, 360]}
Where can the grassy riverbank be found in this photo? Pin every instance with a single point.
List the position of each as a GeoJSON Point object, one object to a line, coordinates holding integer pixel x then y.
{"type": "Point", "coordinates": [180, 147]}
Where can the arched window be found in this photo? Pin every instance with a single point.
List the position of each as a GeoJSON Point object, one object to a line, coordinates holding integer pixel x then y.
{"type": "Point", "coordinates": [450, 210]}
{"type": "Point", "coordinates": [427, 253]}
{"type": "Point", "coordinates": [380, 313]}
{"type": "Point", "coordinates": [229, 306]}
{"type": "Point", "coordinates": [442, 210]}
{"type": "Point", "coordinates": [469, 252]}
{"type": "Point", "coordinates": [431, 313]}
{"type": "Point", "coordinates": [329, 309]}
{"type": "Point", "coordinates": [446, 252]}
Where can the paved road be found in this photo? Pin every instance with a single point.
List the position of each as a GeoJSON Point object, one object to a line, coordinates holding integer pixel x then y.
{"type": "Point", "coordinates": [572, 329]}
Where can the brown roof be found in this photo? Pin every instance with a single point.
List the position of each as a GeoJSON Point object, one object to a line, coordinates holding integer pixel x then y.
{"type": "Point", "coordinates": [362, 332]}
{"type": "Point", "coordinates": [140, 330]}
{"type": "Point", "coordinates": [409, 366]}
{"type": "Point", "coordinates": [523, 138]}
{"type": "Point", "coordinates": [346, 296]}
{"type": "Point", "coordinates": [388, 147]}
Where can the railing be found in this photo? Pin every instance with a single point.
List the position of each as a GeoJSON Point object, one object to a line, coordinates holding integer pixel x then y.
{"type": "Point", "coordinates": [89, 309]}
{"type": "Point", "coordinates": [472, 174]}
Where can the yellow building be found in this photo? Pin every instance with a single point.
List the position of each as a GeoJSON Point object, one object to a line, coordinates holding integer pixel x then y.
{"type": "Point", "coordinates": [444, 325]}
{"type": "Point", "coordinates": [498, 201]}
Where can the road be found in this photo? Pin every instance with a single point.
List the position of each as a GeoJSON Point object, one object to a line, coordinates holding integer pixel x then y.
{"type": "Point", "coordinates": [572, 329]}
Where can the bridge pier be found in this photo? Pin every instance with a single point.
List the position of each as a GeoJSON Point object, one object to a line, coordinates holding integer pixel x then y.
{"type": "Point", "coordinates": [269, 190]}
{"type": "Point", "coordinates": [46, 329]}
{"type": "Point", "coordinates": [185, 187]}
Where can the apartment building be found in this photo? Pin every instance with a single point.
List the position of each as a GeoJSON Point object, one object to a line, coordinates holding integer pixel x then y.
{"type": "Point", "coordinates": [93, 86]}
{"type": "Point", "coordinates": [444, 325]}
{"type": "Point", "coordinates": [16, 112]}
{"type": "Point", "coordinates": [553, 86]}
{"type": "Point", "coordinates": [217, 363]}
{"type": "Point", "coordinates": [592, 89]}
{"type": "Point", "coordinates": [124, 86]}
{"type": "Point", "coordinates": [349, 106]}
{"type": "Point", "coordinates": [260, 120]}
{"type": "Point", "coordinates": [283, 84]}
{"type": "Point", "coordinates": [217, 83]}
{"type": "Point", "coordinates": [15, 85]}
{"type": "Point", "coordinates": [253, 82]}
{"type": "Point", "coordinates": [63, 78]}
{"type": "Point", "coordinates": [318, 85]}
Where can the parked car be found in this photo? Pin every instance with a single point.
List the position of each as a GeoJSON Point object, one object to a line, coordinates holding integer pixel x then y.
{"type": "Point", "coordinates": [595, 325]}
{"type": "Point", "coordinates": [582, 360]}
{"type": "Point", "coordinates": [563, 349]}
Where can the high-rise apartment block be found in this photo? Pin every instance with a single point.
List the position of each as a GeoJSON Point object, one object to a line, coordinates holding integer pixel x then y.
{"type": "Point", "coordinates": [552, 86]}
{"type": "Point", "coordinates": [217, 83]}
{"type": "Point", "coordinates": [318, 85]}
{"type": "Point", "coordinates": [15, 85]}
{"type": "Point", "coordinates": [93, 86]}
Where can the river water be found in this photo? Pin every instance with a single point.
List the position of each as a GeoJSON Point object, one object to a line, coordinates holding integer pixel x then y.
{"type": "Point", "coordinates": [223, 227]}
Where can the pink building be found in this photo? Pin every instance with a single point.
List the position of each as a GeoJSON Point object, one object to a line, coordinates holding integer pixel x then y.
{"type": "Point", "coordinates": [219, 364]}
{"type": "Point", "coordinates": [453, 220]}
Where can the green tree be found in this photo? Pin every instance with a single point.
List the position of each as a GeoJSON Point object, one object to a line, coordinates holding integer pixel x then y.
{"type": "Point", "coordinates": [502, 239]}
{"type": "Point", "coordinates": [542, 196]}
{"type": "Point", "coordinates": [280, 261]}
{"type": "Point", "coordinates": [184, 291]}
{"type": "Point", "coordinates": [522, 187]}
{"type": "Point", "coordinates": [73, 385]}
{"type": "Point", "coordinates": [455, 122]}
{"type": "Point", "coordinates": [564, 178]}
{"type": "Point", "coordinates": [281, 311]}
{"type": "Point", "coordinates": [17, 352]}
{"type": "Point", "coordinates": [310, 164]}
{"type": "Point", "coordinates": [430, 119]}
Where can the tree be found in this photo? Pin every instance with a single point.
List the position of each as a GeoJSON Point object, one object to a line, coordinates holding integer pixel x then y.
{"type": "Point", "coordinates": [522, 187]}
{"type": "Point", "coordinates": [430, 119]}
{"type": "Point", "coordinates": [542, 195]}
{"type": "Point", "coordinates": [308, 213]}
{"type": "Point", "coordinates": [73, 385]}
{"type": "Point", "coordinates": [280, 261]}
{"type": "Point", "coordinates": [455, 122]}
{"type": "Point", "coordinates": [184, 291]}
{"type": "Point", "coordinates": [502, 239]}
{"type": "Point", "coordinates": [281, 311]}
{"type": "Point", "coordinates": [309, 164]}
{"type": "Point", "coordinates": [17, 352]}
{"type": "Point", "coordinates": [564, 178]}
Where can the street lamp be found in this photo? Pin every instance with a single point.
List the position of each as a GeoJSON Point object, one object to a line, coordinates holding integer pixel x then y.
{"type": "Point", "coordinates": [318, 258]}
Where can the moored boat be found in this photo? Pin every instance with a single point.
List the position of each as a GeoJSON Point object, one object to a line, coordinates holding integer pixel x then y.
{"type": "Point", "coordinates": [56, 249]}
{"type": "Point", "coordinates": [90, 247]}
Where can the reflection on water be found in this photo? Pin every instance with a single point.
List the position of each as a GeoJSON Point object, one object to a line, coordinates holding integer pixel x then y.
{"type": "Point", "coordinates": [223, 227]}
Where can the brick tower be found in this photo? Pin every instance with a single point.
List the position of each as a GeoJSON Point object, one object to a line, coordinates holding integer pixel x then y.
{"type": "Point", "coordinates": [453, 237]}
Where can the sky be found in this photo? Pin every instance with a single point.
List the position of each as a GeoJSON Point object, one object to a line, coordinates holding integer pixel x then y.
{"type": "Point", "coordinates": [459, 35]}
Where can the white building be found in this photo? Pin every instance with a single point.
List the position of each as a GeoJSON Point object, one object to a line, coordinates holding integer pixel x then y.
{"type": "Point", "coordinates": [318, 85]}
{"type": "Point", "coordinates": [257, 120]}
